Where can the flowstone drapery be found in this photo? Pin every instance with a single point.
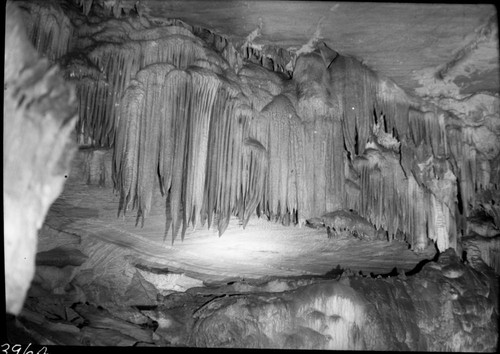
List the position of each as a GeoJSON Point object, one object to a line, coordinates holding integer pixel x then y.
{"type": "Point", "coordinates": [328, 112]}
{"type": "Point", "coordinates": [223, 133]}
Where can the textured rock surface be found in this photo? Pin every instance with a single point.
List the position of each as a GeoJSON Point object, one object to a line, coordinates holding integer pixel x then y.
{"type": "Point", "coordinates": [195, 125]}
{"type": "Point", "coordinates": [448, 306]}
{"type": "Point", "coordinates": [39, 115]}
{"type": "Point", "coordinates": [340, 221]}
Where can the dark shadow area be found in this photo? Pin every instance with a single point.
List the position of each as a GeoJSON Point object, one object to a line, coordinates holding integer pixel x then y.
{"type": "Point", "coordinates": [421, 264]}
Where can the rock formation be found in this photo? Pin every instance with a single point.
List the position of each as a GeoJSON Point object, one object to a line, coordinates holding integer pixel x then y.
{"type": "Point", "coordinates": [39, 116]}
{"type": "Point", "coordinates": [176, 117]}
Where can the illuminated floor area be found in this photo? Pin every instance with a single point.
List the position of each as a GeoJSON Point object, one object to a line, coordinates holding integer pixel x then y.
{"type": "Point", "coordinates": [100, 280]}
{"type": "Point", "coordinates": [261, 249]}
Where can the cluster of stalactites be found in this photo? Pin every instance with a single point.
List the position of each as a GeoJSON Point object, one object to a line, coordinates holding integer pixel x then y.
{"type": "Point", "coordinates": [475, 170]}
{"type": "Point", "coordinates": [119, 63]}
{"type": "Point", "coordinates": [397, 203]}
{"type": "Point", "coordinates": [270, 57]}
{"type": "Point", "coordinates": [48, 28]}
{"type": "Point", "coordinates": [118, 48]}
{"type": "Point", "coordinates": [390, 140]}
{"type": "Point", "coordinates": [184, 129]}
{"type": "Point", "coordinates": [220, 144]}
{"type": "Point", "coordinates": [221, 45]}
{"type": "Point", "coordinates": [112, 51]}
{"type": "Point", "coordinates": [354, 90]}
{"type": "Point", "coordinates": [305, 171]}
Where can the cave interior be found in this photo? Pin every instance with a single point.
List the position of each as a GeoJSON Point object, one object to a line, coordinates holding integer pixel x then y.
{"type": "Point", "coordinates": [252, 174]}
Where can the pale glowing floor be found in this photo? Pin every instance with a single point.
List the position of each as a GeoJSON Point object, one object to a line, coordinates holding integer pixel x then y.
{"type": "Point", "coordinates": [262, 249]}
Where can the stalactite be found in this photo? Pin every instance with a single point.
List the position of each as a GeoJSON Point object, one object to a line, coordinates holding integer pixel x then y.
{"type": "Point", "coordinates": [179, 96]}
{"type": "Point", "coordinates": [233, 57]}
{"type": "Point", "coordinates": [86, 5]}
{"type": "Point", "coordinates": [355, 89]}
{"type": "Point", "coordinates": [439, 223]}
{"type": "Point", "coordinates": [303, 178]}
{"type": "Point", "coordinates": [145, 120]}
{"type": "Point", "coordinates": [119, 63]}
{"type": "Point", "coordinates": [417, 126]}
{"type": "Point", "coordinates": [395, 105]}
{"type": "Point", "coordinates": [185, 130]}
{"type": "Point", "coordinates": [468, 175]}
{"type": "Point", "coordinates": [205, 85]}
{"type": "Point", "coordinates": [375, 109]}
{"type": "Point", "coordinates": [386, 140]}
{"type": "Point", "coordinates": [275, 58]}
{"type": "Point", "coordinates": [230, 166]}
{"type": "Point", "coordinates": [151, 121]}
{"type": "Point", "coordinates": [277, 114]}
{"type": "Point", "coordinates": [230, 139]}
{"type": "Point", "coordinates": [352, 184]}
{"type": "Point", "coordinates": [226, 146]}
{"type": "Point", "coordinates": [92, 96]}
{"type": "Point", "coordinates": [213, 180]}
{"type": "Point", "coordinates": [127, 146]}
{"type": "Point", "coordinates": [48, 28]}
{"type": "Point", "coordinates": [258, 130]}
{"type": "Point", "coordinates": [396, 202]}
{"type": "Point", "coordinates": [299, 166]}
{"type": "Point", "coordinates": [221, 46]}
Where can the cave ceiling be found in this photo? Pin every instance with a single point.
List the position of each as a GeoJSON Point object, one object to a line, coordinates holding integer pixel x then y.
{"type": "Point", "coordinates": [415, 44]}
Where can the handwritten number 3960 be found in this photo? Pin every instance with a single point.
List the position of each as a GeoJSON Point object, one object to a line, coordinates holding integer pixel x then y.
{"type": "Point", "coordinates": [16, 348]}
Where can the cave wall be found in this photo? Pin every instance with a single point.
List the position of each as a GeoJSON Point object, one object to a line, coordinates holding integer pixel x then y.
{"type": "Point", "coordinates": [231, 132]}
{"type": "Point", "coordinates": [39, 117]}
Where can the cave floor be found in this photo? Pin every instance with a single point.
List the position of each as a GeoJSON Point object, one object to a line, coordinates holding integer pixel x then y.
{"type": "Point", "coordinates": [261, 249]}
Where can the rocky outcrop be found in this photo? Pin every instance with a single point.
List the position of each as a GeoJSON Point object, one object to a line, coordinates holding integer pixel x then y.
{"type": "Point", "coordinates": [447, 306]}
{"type": "Point", "coordinates": [340, 222]}
{"type": "Point", "coordinates": [39, 116]}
